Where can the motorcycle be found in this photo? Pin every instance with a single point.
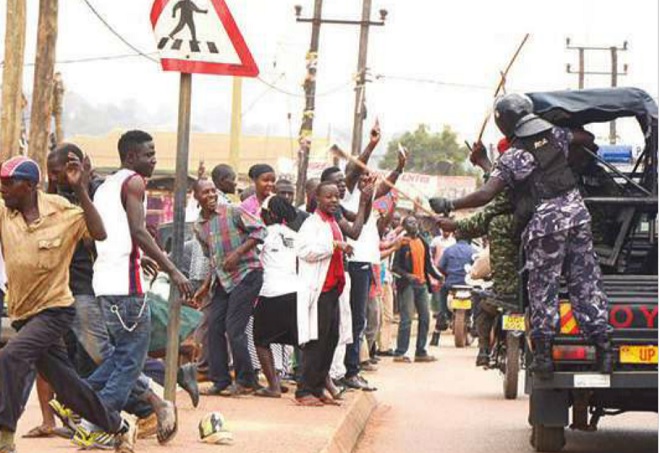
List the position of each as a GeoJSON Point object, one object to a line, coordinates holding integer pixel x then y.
{"type": "Point", "coordinates": [459, 303]}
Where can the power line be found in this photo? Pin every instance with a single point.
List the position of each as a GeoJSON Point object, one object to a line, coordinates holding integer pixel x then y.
{"type": "Point", "coordinates": [91, 59]}
{"type": "Point", "coordinates": [116, 33]}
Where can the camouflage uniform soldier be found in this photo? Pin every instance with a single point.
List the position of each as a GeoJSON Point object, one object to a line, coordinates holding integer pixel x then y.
{"type": "Point", "coordinates": [558, 227]}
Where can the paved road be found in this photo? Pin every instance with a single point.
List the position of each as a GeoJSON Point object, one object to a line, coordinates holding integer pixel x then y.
{"type": "Point", "coordinates": [452, 406]}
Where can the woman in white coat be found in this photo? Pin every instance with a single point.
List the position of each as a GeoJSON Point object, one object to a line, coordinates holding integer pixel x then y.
{"type": "Point", "coordinates": [321, 249]}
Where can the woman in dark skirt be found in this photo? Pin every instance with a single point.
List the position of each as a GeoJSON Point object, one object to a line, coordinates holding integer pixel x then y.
{"type": "Point", "coordinates": [275, 320]}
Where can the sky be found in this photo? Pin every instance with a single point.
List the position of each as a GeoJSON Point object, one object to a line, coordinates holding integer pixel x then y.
{"type": "Point", "coordinates": [434, 62]}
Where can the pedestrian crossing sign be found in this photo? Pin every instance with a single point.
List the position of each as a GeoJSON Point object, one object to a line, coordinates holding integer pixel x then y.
{"type": "Point", "coordinates": [200, 36]}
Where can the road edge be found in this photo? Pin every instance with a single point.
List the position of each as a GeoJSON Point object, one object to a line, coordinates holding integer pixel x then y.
{"type": "Point", "coordinates": [350, 427]}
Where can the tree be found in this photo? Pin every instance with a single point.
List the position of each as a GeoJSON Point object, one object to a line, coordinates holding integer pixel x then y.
{"type": "Point", "coordinates": [433, 153]}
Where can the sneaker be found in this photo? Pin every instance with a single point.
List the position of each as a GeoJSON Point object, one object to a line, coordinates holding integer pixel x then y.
{"type": "Point", "coordinates": [87, 440]}
{"type": "Point", "coordinates": [68, 418]}
{"type": "Point", "coordinates": [127, 435]}
{"type": "Point", "coordinates": [483, 357]}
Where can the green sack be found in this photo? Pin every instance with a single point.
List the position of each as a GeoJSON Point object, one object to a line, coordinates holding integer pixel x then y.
{"type": "Point", "coordinates": [158, 300]}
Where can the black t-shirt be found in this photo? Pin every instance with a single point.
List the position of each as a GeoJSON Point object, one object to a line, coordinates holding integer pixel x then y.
{"type": "Point", "coordinates": [301, 216]}
{"type": "Point", "coordinates": [81, 269]}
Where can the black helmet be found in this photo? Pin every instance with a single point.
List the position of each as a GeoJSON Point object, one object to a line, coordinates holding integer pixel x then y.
{"type": "Point", "coordinates": [514, 116]}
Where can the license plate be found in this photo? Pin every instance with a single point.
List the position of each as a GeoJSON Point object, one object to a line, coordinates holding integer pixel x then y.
{"type": "Point", "coordinates": [638, 354]}
{"type": "Point", "coordinates": [461, 304]}
{"type": "Point", "coordinates": [513, 322]}
{"type": "Point", "coordinates": [591, 380]}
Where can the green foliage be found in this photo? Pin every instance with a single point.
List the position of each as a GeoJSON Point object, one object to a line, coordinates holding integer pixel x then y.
{"type": "Point", "coordinates": [432, 153]}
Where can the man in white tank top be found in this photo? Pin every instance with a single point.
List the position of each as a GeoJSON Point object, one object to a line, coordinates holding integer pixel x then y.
{"type": "Point", "coordinates": [118, 282]}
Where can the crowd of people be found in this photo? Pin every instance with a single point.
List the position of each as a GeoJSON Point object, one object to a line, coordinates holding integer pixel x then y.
{"type": "Point", "coordinates": [307, 293]}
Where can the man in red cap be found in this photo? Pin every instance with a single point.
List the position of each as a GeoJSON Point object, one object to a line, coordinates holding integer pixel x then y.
{"type": "Point", "coordinates": [40, 233]}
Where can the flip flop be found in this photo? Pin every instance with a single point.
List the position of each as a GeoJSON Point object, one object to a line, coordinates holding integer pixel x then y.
{"type": "Point", "coordinates": [329, 401]}
{"type": "Point", "coordinates": [39, 432]}
{"type": "Point", "coordinates": [167, 428]}
{"type": "Point", "coordinates": [309, 401]}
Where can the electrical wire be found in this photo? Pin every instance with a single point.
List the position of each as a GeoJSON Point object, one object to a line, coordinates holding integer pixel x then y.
{"type": "Point", "coordinates": [90, 59]}
{"type": "Point", "coordinates": [116, 33]}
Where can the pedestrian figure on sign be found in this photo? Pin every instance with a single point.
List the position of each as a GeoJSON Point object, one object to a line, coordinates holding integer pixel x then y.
{"type": "Point", "coordinates": [188, 8]}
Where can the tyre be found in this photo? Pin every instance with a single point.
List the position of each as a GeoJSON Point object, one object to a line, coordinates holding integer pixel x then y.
{"type": "Point", "coordinates": [511, 367]}
{"type": "Point", "coordinates": [548, 438]}
{"type": "Point", "coordinates": [460, 329]}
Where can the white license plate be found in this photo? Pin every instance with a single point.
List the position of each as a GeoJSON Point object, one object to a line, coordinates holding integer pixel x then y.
{"type": "Point", "coordinates": [514, 323]}
{"type": "Point", "coordinates": [463, 295]}
{"type": "Point", "coordinates": [591, 380]}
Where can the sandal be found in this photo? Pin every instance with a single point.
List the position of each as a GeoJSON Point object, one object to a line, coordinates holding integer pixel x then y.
{"type": "Point", "coordinates": [39, 432]}
{"type": "Point", "coordinates": [267, 393]}
{"type": "Point", "coordinates": [328, 400]}
{"type": "Point", "coordinates": [309, 401]}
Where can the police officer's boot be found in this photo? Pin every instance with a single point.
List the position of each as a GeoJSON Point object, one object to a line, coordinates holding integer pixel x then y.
{"type": "Point", "coordinates": [605, 356]}
{"type": "Point", "coordinates": [483, 357]}
{"type": "Point", "coordinates": [542, 362]}
{"type": "Point", "coordinates": [435, 339]}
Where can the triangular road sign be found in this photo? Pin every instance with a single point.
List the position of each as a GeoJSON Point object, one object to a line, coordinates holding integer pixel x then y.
{"type": "Point", "coordinates": [200, 36]}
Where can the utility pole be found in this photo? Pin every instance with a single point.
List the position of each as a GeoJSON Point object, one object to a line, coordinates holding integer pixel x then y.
{"type": "Point", "coordinates": [58, 106]}
{"type": "Point", "coordinates": [235, 134]}
{"type": "Point", "coordinates": [42, 93]}
{"type": "Point", "coordinates": [12, 76]}
{"type": "Point", "coordinates": [613, 73]}
{"type": "Point", "coordinates": [310, 81]}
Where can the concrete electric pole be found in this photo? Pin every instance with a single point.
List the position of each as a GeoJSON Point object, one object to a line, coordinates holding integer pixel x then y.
{"type": "Point", "coordinates": [310, 83]}
{"type": "Point", "coordinates": [12, 77]}
{"type": "Point", "coordinates": [613, 73]}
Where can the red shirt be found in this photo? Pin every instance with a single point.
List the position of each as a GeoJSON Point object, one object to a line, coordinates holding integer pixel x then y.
{"type": "Point", "coordinates": [335, 277]}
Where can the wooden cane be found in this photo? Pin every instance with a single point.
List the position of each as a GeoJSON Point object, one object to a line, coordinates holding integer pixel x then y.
{"type": "Point", "coordinates": [501, 83]}
{"type": "Point", "coordinates": [363, 166]}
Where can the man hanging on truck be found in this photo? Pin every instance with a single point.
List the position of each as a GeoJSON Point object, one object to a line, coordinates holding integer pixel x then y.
{"type": "Point", "coordinates": [555, 226]}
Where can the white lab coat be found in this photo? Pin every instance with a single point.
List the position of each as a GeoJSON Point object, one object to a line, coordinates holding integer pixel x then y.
{"type": "Point", "coordinates": [314, 249]}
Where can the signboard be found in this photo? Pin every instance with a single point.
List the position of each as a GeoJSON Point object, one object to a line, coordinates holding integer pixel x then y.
{"type": "Point", "coordinates": [200, 36]}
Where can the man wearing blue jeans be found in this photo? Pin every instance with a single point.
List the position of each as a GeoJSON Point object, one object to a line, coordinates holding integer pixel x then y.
{"type": "Point", "coordinates": [413, 266]}
{"type": "Point", "coordinates": [118, 281]}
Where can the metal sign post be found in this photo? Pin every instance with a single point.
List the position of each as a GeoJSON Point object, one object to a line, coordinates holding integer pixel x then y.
{"type": "Point", "coordinates": [180, 191]}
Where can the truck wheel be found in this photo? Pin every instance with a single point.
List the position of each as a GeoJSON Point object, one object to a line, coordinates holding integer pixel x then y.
{"type": "Point", "coordinates": [548, 438]}
{"type": "Point", "coordinates": [511, 367]}
{"type": "Point", "coordinates": [460, 329]}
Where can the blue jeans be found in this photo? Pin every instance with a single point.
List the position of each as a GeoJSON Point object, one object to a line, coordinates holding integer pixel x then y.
{"type": "Point", "coordinates": [413, 297]}
{"type": "Point", "coordinates": [228, 316]}
{"type": "Point", "coordinates": [360, 280]}
{"type": "Point", "coordinates": [128, 322]}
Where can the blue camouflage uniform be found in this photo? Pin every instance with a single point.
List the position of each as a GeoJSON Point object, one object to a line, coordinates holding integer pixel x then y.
{"type": "Point", "coordinates": [558, 238]}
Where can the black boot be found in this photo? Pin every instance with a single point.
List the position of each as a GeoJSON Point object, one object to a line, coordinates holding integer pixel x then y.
{"type": "Point", "coordinates": [435, 339]}
{"type": "Point", "coordinates": [482, 357]}
{"type": "Point", "coordinates": [605, 357]}
{"type": "Point", "coordinates": [542, 363]}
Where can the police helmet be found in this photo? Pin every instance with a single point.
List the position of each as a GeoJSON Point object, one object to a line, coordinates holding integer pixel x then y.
{"type": "Point", "coordinates": [212, 429]}
{"type": "Point", "coordinates": [514, 116]}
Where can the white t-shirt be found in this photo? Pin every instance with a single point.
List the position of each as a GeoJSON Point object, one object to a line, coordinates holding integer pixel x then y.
{"type": "Point", "coordinates": [367, 248]}
{"type": "Point", "coordinates": [278, 257]}
{"type": "Point", "coordinates": [441, 243]}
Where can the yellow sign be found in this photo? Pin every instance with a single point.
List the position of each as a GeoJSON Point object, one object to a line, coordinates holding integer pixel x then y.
{"type": "Point", "coordinates": [638, 354]}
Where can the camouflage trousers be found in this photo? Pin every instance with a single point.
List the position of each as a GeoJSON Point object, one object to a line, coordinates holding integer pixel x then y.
{"type": "Point", "coordinates": [504, 246]}
{"type": "Point", "coordinates": [570, 251]}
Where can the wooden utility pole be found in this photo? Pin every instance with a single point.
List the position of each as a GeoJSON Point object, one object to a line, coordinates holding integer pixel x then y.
{"type": "Point", "coordinates": [58, 106]}
{"type": "Point", "coordinates": [236, 116]}
{"type": "Point", "coordinates": [613, 73]}
{"type": "Point", "coordinates": [359, 113]}
{"type": "Point", "coordinates": [42, 92]}
{"type": "Point", "coordinates": [307, 126]}
{"type": "Point", "coordinates": [310, 81]}
{"type": "Point", "coordinates": [12, 77]}
{"type": "Point", "coordinates": [178, 233]}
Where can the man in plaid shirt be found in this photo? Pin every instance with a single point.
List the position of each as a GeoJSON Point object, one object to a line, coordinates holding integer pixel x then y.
{"type": "Point", "coordinates": [229, 237]}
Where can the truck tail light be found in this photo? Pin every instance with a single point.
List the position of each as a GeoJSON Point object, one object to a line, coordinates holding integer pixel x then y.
{"type": "Point", "coordinates": [574, 353]}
